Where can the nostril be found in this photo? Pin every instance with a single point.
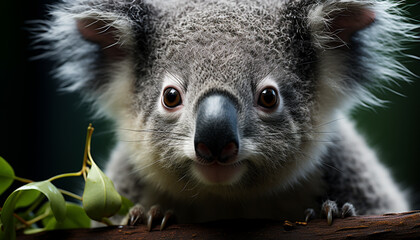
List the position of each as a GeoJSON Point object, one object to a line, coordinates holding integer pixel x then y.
{"type": "Point", "coordinates": [203, 152]}
{"type": "Point", "coordinates": [229, 153]}
{"type": "Point", "coordinates": [225, 155]}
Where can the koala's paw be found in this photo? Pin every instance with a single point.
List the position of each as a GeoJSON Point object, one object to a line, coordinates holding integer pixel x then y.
{"type": "Point", "coordinates": [138, 215]}
{"type": "Point", "coordinates": [330, 210]}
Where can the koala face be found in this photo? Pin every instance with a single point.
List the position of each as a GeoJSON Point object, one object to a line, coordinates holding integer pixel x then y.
{"type": "Point", "coordinates": [219, 97]}
{"type": "Point", "coordinates": [225, 110]}
{"type": "Point", "coordinates": [224, 130]}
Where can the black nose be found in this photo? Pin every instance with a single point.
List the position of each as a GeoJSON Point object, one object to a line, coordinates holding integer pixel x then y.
{"type": "Point", "coordinates": [216, 132]}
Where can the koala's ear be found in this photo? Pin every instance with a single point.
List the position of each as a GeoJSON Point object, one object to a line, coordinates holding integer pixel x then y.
{"type": "Point", "coordinates": [347, 22]}
{"type": "Point", "coordinates": [90, 39]}
{"type": "Point", "coordinates": [335, 23]}
{"type": "Point", "coordinates": [107, 36]}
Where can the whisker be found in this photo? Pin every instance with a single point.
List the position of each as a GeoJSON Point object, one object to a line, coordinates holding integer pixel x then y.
{"type": "Point", "coordinates": [188, 189]}
{"type": "Point", "coordinates": [154, 131]}
{"type": "Point", "coordinates": [302, 132]}
{"type": "Point", "coordinates": [148, 140]}
{"type": "Point", "coordinates": [319, 141]}
{"type": "Point", "coordinates": [332, 167]}
{"type": "Point", "coordinates": [103, 132]}
{"type": "Point", "coordinates": [181, 178]}
{"type": "Point", "coordinates": [146, 166]}
{"type": "Point", "coordinates": [330, 122]}
{"type": "Point", "coordinates": [322, 162]}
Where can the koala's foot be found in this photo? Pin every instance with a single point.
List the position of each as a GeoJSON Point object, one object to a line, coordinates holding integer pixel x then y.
{"type": "Point", "coordinates": [137, 215]}
{"type": "Point", "coordinates": [330, 210]}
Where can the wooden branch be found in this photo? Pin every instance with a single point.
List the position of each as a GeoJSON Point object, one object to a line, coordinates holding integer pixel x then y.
{"type": "Point", "coordinates": [389, 226]}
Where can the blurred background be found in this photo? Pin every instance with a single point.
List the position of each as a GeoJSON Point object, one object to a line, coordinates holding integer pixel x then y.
{"type": "Point", "coordinates": [42, 130]}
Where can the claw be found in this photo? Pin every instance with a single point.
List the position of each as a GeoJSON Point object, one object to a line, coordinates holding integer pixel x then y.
{"type": "Point", "coordinates": [329, 217]}
{"type": "Point", "coordinates": [348, 210]}
{"type": "Point", "coordinates": [133, 220]}
{"type": "Point", "coordinates": [149, 223]}
{"type": "Point", "coordinates": [135, 215]}
{"type": "Point", "coordinates": [165, 219]}
{"type": "Point", "coordinates": [330, 209]}
{"type": "Point", "coordinates": [309, 214]}
{"type": "Point", "coordinates": [154, 213]}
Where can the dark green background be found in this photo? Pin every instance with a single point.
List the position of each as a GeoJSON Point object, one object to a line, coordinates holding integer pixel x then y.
{"type": "Point", "coordinates": [43, 130]}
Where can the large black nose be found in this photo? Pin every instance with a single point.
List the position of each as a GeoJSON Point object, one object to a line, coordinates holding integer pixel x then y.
{"type": "Point", "coordinates": [216, 132]}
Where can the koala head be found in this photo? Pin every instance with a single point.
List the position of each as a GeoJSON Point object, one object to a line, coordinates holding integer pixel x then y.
{"type": "Point", "coordinates": [224, 97]}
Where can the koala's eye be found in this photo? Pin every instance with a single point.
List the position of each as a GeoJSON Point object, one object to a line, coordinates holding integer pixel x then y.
{"type": "Point", "coordinates": [171, 97]}
{"type": "Point", "coordinates": [268, 98]}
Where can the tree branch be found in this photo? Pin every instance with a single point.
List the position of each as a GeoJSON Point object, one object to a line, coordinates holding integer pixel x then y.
{"type": "Point", "coordinates": [389, 226]}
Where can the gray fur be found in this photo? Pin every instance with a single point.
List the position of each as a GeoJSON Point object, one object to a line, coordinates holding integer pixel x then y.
{"type": "Point", "coordinates": [295, 157]}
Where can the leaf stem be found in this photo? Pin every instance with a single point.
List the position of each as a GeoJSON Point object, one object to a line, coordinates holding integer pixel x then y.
{"type": "Point", "coordinates": [23, 221]}
{"type": "Point", "coordinates": [40, 217]}
{"type": "Point", "coordinates": [24, 180]}
{"type": "Point", "coordinates": [87, 159]}
{"type": "Point", "coordinates": [70, 194]}
{"type": "Point", "coordinates": [64, 175]}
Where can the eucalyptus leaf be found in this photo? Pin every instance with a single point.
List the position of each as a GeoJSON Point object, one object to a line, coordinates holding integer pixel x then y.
{"type": "Point", "coordinates": [56, 199]}
{"type": "Point", "coordinates": [27, 198]}
{"type": "Point", "coordinates": [33, 230]}
{"type": "Point", "coordinates": [58, 204]}
{"type": "Point", "coordinates": [75, 218]}
{"type": "Point", "coordinates": [100, 199]}
{"type": "Point", "coordinates": [7, 175]}
{"type": "Point", "coordinates": [7, 215]}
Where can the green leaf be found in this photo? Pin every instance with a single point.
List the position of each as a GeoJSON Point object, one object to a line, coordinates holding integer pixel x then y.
{"type": "Point", "coordinates": [100, 199]}
{"type": "Point", "coordinates": [7, 175]}
{"type": "Point", "coordinates": [33, 230]}
{"type": "Point", "coordinates": [27, 198]}
{"type": "Point", "coordinates": [58, 204]}
{"type": "Point", "coordinates": [125, 206]}
{"type": "Point", "coordinates": [75, 218]}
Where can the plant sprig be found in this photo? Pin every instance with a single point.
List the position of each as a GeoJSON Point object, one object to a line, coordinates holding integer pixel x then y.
{"type": "Point", "coordinates": [22, 208]}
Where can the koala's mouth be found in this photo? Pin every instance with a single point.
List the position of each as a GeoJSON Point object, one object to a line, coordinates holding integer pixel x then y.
{"type": "Point", "coordinates": [217, 173]}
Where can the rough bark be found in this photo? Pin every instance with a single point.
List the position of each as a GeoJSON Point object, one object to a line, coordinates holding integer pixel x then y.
{"type": "Point", "coordinates": [389, 226]}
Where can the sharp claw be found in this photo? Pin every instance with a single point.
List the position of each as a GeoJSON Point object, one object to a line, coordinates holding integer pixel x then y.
{"type": "Point", "coordinates": [165, 219]}
{"type": "Point", "coordinates": [153, 214]}
{"type": "Point", "coordinates": [133, 220]}
{"type": "Point", "coordinates": [309, 214]}
{"type": "Point", "coordinates": [135, 216]}
{"type": "Point", "coordinates": [330, 210]}
{"type": "Point", "coordinates": [149, 222]}
{"type": "Point", "coordinates": [329, 217]}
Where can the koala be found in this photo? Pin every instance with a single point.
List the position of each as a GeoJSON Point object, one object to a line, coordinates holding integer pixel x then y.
{"type": "Point", "coordinates": [226, 109]}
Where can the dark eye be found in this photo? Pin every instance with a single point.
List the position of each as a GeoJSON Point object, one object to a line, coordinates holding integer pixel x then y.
{"type": "Point", "coordinates": [268, 98]}
{"type": "Point", "coordinates": [171, 98]}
